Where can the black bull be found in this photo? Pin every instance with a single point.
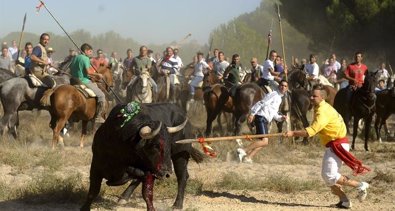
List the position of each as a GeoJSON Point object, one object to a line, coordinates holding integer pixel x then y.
{"type": "Point", "coordinates": [111, 148]}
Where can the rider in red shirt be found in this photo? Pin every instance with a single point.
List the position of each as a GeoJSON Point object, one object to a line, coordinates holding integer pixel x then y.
{"type": "Point", "coordinates": [355, 72]}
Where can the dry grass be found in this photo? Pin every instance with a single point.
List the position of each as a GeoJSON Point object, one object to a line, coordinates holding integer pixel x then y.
{"type": "Point", "coordinates": [55, 182]}
{"type": "Point", "coordinates": [273, 182]}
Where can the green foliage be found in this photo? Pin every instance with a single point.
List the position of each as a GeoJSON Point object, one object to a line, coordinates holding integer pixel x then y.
{"type": "Point", "coordinates": [345, 26]}
{"type": "Point", "coordinates": [246, 35]}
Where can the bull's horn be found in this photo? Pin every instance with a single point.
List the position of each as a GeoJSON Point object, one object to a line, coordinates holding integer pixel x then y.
{"type": "Point", "coordinates": [147, 133]}
{"type": "Point", "coordinates": [178, 127]}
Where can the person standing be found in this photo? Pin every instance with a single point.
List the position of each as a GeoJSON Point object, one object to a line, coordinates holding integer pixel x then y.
{"type": "Point", "coordinates": [262, 113]}
{"type": "Point", "coordinates": [5, 60]}
{"type": "Point", "coordinates": [39, 61]}
{"type": "Point", "coordinates": [331, 129]}
{"type": "Point", "coordinates": [80, 69]}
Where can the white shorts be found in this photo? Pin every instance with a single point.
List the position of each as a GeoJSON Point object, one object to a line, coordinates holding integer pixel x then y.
{"type": "Point", "coordinates": [331, 164]}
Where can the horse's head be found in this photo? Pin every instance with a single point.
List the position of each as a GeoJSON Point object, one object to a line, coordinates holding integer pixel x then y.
{"type": "Point", "coordinates": [127, 75]}
{"type": "Point", "coordinates": [297, 79]}
{"type": "Point", "coordinates": [107, 77]}
{"type": "Point", "coordinates": [370, 82]}
{"type": "Point", "coordinates": [210, 79]}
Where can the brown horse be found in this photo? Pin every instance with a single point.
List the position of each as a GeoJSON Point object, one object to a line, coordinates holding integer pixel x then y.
{"type": "Point", "coordinates": [67, 103]}
{"type": "Point", "coordinates": [217, 99]}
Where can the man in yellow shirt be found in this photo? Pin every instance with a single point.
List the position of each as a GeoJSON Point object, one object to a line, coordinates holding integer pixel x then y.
{"type": "Point", "coordinates": [331, 129]}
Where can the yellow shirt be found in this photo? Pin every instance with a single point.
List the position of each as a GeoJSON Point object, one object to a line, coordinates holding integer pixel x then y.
{"type": "Point", "coordinates": [328, 123]}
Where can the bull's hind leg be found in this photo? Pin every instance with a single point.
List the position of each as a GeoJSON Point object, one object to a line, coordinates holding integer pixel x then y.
{"type": "Point", "coordinates": [180, 163]}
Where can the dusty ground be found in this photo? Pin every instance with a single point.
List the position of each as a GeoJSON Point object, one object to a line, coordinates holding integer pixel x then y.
{"type": "Point", "coordinates": [300, 163]}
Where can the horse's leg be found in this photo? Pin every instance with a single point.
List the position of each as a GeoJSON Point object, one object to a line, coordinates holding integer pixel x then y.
{"type": "Point", "coordinates": [377, 127]}
{"type": "Point", "coordinates": [237, 122]}
{"type": "Point", "coordinates": [83, 132]}
{"type": "Point", "coordinates": [219, 123]}
{"type": "Point", "coordinates": [56, 132]}
{"type": "Point", "coordinates": [368, 121]}
{"type": "Point", "coordinates": [211, 115]}
{"type": "Point", "coordinates": [355, 131]}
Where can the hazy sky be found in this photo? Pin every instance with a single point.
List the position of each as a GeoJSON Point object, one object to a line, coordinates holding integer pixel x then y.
{"type": "Point", "coordinates": [146, 21]}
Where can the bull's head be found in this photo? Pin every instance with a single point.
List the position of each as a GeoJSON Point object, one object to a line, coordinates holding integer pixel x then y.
{"type": "Point", "coordinates": [154, 149]}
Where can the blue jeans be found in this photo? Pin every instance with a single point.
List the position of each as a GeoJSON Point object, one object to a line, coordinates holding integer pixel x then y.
{"type": "Point", "coordinates": [261, 125]}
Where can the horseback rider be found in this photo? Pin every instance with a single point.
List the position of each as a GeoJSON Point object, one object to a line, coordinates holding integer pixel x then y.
{"type": "Point", "coordinates": [40, 63]}
{"type": "Point", "coordinates": [142, 64]}
{"type": "Point", "coordinates": [169, 66]}
{"type": "Point", "coordinates": [220, 65]}
{"type": "Point", "coordinates": [80, 68]}
{"type": "Point", "coordinates": [232, 74]}
{"type": "Point", "coordinates": [200, 68]}
{"type": "Point", "coordinates": [269, 77]}
{"type": "Point", "coordinates": [313, 70]}
{"type": "Point", "coordinates": [256, 69]}
{"type": "Point", "coordinates": [355, 74]}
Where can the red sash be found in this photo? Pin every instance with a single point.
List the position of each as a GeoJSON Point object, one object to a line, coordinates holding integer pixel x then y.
{"type": "Point", "coordinates": [347, 157]}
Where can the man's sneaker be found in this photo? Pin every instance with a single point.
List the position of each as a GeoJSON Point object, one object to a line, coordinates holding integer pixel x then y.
{"type": "Point", "coordinates": [247, 160]}
{"type": "Point", "coordinates": [343, 205]}
{"type": "Point", "coordinates": [362, 191]}
{"type": "Point", "coordinates": [241, 153]}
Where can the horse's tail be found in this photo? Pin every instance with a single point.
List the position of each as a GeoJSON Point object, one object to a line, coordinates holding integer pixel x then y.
{"type": "Point", "coordinates": [46, 98]}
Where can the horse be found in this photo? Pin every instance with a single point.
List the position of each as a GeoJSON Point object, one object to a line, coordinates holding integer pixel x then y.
{"type": "Point", "coordinates": [6, 74]}
{"type": "Point", "coordinates": [141, 90]}
{"type": "Point", "coordinates": [362, 106]}
{"type": "Point", "coordinates": [66, 103]}
{"type": "Point", "coordinates": [18, 94]}
{"type": "Point", "coordinates": [385, 106]}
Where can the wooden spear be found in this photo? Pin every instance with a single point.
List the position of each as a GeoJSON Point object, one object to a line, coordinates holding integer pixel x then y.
{"type": "Point", "coordinates": [20, 37]}
{"type": "Point", "coordinates": [282, 41]}
{"type": "Point", "coordinates": [228, 138]}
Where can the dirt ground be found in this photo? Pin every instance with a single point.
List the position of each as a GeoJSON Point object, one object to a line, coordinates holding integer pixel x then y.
{"type": "Point", "coordinates": [299, 163]}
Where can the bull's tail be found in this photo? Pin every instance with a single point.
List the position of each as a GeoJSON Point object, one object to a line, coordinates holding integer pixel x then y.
{"type": "Point", "coordinates": [196, 155]}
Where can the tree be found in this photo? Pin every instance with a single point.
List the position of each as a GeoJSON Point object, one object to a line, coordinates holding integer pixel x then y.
{"type": "Point", "coordinates": [346, 25]}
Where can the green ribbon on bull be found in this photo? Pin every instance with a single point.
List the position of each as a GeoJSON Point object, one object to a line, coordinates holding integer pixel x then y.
{"type": "Point", "coordinates": [129, 111]}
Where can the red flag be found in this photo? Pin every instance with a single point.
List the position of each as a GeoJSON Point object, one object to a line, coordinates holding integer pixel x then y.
{"type": "Point", "coordinates": [38, 7]}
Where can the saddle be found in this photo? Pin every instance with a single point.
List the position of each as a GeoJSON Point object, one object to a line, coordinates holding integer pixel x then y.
{"type": "Point", "coordinates": [34, 81]}
{"type": "Point", "coordinates": [88, 93]}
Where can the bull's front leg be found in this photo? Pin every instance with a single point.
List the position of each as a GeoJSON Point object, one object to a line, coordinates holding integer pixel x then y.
{"type": "Point", "coordinates": [148, 191]}
{"type": "Point", "coordinates": [94, 189]}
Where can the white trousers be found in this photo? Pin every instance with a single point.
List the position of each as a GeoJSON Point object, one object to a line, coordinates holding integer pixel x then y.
{"type": "Point", "coordinates": [331, 164]}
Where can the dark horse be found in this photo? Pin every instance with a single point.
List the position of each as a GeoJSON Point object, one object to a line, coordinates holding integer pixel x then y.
{"type": "Point", "coordinates": [385, 106]}
{"type": "Point", "coordinates": [18, 94]}
{"type": "Point", "coordinates": [362, 106]}
{"type": "Point", "coordinates": [67, 103]}
{"type": "Point", "coordinates": [218, 99]}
